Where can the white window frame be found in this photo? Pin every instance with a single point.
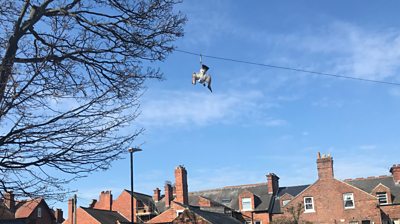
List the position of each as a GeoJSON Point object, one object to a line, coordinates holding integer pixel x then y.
{"type": "Point", "coordinates": [39, 212]}
{"type": "Point", "coordinates": [179, 212]}
{"type": "Point", "coordinates": [312, 209]}
{"type": "Point", "coordinates": [257, 222]}
{"type": "Point", "coordinates": [379, 194]}
{"type": "Point", "coordinates": [347, 196]}
{"type": "Point", "coordinates": [285, 202]}
{"type": "Point", "coordinates": [248, 202]}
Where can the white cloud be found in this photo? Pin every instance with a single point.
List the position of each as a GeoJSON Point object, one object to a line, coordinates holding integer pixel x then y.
{"type": "Point", "coordinates": [189, 108]}
{"type": "Point", "coordinates": [357, 52]}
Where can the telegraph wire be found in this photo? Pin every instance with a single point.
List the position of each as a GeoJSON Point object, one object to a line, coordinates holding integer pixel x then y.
{"type": "Point", "coordinates": [290, 68]}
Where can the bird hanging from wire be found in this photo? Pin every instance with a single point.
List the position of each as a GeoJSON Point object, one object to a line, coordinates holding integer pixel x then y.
{"type": "Point", "coordinates": [202, 77]}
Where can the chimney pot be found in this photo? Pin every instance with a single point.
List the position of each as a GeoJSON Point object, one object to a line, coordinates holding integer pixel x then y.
{"type": "Point", "coordinates": [395, 170]}
{"type": "Point", "coordinates": [325, 167]}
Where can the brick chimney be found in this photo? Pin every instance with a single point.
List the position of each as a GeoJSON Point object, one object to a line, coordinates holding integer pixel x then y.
{"type": "Point", "coordinates": [168, 194]}
{"type": "Point", "coordinates": [105, 201]}
{"type": "Point", "coordinates": [156, 195]}
{"type": "Point", "coordinates": [70, 210]}
{"type": "Point", "coordinates": [273, 183]}
{"type": "Point", "coordinates": [9, 200]}
{"type": "Point", "coordinates": [182, 195]}
{"type": "Point", "coordinates": [58, 213]}
{"type": "Point", "coordinates": [395, 170]}
{"type": "Point", "coordinates": [325, 166]}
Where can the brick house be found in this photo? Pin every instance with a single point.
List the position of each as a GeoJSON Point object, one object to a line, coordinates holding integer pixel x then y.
{"type": "Point", "coordinates": [327, 200]}
{"type": "Point", "coordinates": [35, 211]}
{"type": "Point", "coordinates": [180, 207]}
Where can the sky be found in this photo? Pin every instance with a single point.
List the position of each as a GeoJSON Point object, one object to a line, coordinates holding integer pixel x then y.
{"type": "Point", "coordinates": [261, 120]}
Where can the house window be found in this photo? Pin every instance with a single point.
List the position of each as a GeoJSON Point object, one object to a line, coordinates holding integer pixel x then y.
{"type": "Point", "coordinates": [365, 222]}
{"type": "Point", "coordinates": [309, 204]}
{"type": "Point", "coordinates": [285, 202]}
{"type": "Point", "coordinates": [39, 212]}
{"type": "Point", "coordinates": [348, 200]}
{"type": "Point", "coordinates": [382, 197]}
{"type": "Point", "coordinates": [246, 204]}
{"type": "Point", "coordinates": [226, 201]}
{"type": "Point", "coordinates": [179, 212]}
{"type": "Point", "coordinates": [257, 222]}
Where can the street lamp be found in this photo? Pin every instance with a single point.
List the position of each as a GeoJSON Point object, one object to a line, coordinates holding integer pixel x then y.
{"type": "Point", "coordinates": [131, 151]}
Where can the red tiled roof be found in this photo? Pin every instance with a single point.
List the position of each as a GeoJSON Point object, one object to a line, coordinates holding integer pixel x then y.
{"type": "Point", "coordinates": [25, 208]}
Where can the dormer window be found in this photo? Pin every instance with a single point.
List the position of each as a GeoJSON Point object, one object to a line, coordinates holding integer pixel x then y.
{"type": "Point", "coordinates": [382, 197]}
{"type": "Point", "coordinates": [285, 202]}
{"type": "Point", "coordinates": [246, 204]}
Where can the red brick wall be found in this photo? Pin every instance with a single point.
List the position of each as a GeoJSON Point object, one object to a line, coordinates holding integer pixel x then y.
{"type": "Point", "coordinates": [329, 206]}
{"type": "Point", "coordinates": [325, 167]}
{"type": "Point", "coordinates": [382, 188]}
{"type": "Point", "coordinates": [82, 218]}
{"type": "Point", "coordinates": [181, 185]}
{"type": "Point", "coordinates": [167, 216]}
{"type": "Point", "coordinates": [246, 194]}
{"type": "Point", "coordinates": [256, 216]}
{"type": "Point", "coordinates": [393, 211]}
{"type": "Point", "coordinates": [204, 202]}
{"type": "Point", "coordinates": [284, 198]}
{"type": "Point", "coordinates": [105, 201]}
{"type": "Point", "coordinates": [123, 204]}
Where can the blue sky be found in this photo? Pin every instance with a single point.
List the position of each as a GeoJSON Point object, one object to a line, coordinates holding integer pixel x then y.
{"type": "Point", "coordinates": [260, 120]}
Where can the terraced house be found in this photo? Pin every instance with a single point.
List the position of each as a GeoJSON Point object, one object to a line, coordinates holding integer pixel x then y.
{"type": "Point", "coordinates": [328, 200]}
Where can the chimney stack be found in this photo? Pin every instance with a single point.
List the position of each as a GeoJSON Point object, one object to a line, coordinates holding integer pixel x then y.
{"type": "Point", "coordinates": [105, 201]}
{"type": "Point", "coordinates": [273, 183]}
{"type": "Point", "coordinates": [70, 210]}
{"type": "Point", "coordinates": [9, 200]}
{"type": "Point", "coordinates": [395, 170]}
{"type": "Point", "coordinates": [182, 195]}
{"type": "Point", "coordinates": [325, 166]}
{"type": "Point", "coordinates": [168, 194]}
{"type": "Point", "coordinates": [58, 213]}
{"type": "Point", "coordinates": [156, 195]}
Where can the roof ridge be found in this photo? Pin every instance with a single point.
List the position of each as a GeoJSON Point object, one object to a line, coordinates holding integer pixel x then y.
{"type": "Point", "coordinates": [303, 185]}
{"type": "Point", "coordinates": [366, 178]}
{"type": "Point", "coordinates": [135, 192]}
{"type": "Point", "coordinates": [229, 187]}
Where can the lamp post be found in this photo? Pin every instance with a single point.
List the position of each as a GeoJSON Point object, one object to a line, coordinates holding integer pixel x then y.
{"type": "Point", "coordinates": [131, 151]}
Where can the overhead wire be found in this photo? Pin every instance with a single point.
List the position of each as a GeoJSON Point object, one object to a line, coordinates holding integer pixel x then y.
{"type": "Point", "coordinates": [290, 68]}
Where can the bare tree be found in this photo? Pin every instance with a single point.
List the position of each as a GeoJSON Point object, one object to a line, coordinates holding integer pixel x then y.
{"type": "Point", "coordinates": [71, 74]}
{"type": "Point", "coordinates": [293, 214]}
